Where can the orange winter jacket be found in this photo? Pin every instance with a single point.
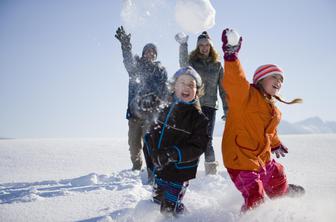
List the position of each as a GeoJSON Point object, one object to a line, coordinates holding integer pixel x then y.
{"type": "Point", "coordinates": [250, 129]}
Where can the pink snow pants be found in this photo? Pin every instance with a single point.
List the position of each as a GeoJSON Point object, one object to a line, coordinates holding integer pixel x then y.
{"type": "Point", "coordinates": [253, 185]}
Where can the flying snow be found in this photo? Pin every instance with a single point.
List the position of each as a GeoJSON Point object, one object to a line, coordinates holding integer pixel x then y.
{"type": "Point", "coordinates": [195, 15]}
{"type": "Point", "coordinates": [157, 15]}
{"type": "Point", "coordinates": [146, 15]}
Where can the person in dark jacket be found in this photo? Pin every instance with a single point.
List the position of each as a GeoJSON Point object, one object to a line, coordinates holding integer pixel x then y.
{"type": "Point", "coordinates": [175, 142]}
{"type": "Point", "coordinates": [205, 60]}
{"type": "Point", "coordinates": [147, 90]}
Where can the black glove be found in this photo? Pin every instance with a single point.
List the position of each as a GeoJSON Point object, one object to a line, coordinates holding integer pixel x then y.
{"type": "Point", "coordinates": [280, 151]}
{"type": "Point", "coordinates": [123, 37]}
{"type": "Point", "coordinates": [167, 156]}
{"type": "Point", "coordinates": [149, 102]}
{"type": "Point", "coordinates": [230, 51]}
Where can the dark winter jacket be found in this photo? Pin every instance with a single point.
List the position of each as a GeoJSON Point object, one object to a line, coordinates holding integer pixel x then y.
{"type": "Point", "coordinates": [144, 78]}
{"type": "Point", "coordinates": [183, 127]}
{"type": "Point", "coordinates": [211, 74]}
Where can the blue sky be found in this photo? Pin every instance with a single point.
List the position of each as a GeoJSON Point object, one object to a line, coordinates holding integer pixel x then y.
{"type": "Point", "coordinates": [61, 71]}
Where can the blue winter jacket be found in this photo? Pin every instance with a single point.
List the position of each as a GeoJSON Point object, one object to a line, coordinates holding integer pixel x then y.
{"type": "Point", "coordinates": [144, 78]}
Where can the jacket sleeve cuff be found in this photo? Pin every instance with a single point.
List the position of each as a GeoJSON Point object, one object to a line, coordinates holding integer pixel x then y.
{"type": "Point", "coordinates": [276, 146]}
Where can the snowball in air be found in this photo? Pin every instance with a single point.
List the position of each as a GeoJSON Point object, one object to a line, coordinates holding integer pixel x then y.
{"type": "Point", "coordinates": [195, 15]}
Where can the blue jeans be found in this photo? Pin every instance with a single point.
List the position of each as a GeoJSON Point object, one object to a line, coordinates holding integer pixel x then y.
{"type": "Point", "coordinates": [210, 113]}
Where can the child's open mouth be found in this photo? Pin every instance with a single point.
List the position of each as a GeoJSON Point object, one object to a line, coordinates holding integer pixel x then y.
{"type": "Point", "coordinates": [185, 94]}
{"type": "Point", "coordinates": [276, 87]}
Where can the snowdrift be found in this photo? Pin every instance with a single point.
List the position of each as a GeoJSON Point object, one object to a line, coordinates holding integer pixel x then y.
{"type": "Point", "coordinates": [91, 180]}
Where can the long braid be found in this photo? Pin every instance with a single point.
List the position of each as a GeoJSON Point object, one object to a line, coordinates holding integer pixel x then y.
{"type": "Point", "coordinates": [277, 97]}
{"type": "Point", "coordinates": [294, 101]}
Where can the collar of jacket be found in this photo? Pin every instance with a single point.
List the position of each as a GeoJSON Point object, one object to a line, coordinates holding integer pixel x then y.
{"type": "Point", "coordinates": [179, 101]}
{"type": "Point", "coordinates": [204, 59]}
{"type": "Point", "coordinates": [268, 98]}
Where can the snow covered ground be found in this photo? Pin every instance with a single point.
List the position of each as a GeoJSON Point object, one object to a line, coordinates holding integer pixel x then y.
{"type": "Point", "coordinates": [90, 180]}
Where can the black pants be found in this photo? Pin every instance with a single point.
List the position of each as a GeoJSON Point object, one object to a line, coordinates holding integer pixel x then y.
{"type": "Point", "coordinates": [210, 113]}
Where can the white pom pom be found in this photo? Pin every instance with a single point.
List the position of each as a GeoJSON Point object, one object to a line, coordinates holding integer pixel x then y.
{"type": "Point", "coordinates": [232, 37]}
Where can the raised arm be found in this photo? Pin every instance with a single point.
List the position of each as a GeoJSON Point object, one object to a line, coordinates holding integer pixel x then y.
{"type": "Point", "coordinates": [182, 39]}
{"type": "Point", "coordinates": [235, 84]}
{"type": "Point", "coordinates": [126, 47]}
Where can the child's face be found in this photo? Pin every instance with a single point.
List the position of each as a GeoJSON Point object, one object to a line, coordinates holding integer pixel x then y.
{"type": "Point", "coordinates": [185, 88]}
{"type": "Point", "coordinates": [272, 84]}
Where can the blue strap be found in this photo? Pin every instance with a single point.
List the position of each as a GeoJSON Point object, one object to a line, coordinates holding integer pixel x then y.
{"type": "Point", "coordinates": [179, 153]}
{"type": "Point", "coordinates": [149, 150]}
{"type": "Point", "coordinates": [186, 167]}
{"type": "Point", "coordinates": [165, 124]}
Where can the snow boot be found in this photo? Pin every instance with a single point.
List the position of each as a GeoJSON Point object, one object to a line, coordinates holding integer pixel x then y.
{"type": "Point", "coordinates": [137, 164]}
{"type": "Point", "coordinates": [295, 190]}
{"type": "Point", "coordinates": [167, 208]}
{"type": "Point", "coordinates": [171, 209]}
{"type": "Point", "coordinates": [210, 167]}
{"type": "Point", "coordinates": [180, 210]}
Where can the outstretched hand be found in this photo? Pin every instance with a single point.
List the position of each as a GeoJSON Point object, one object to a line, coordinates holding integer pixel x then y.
{"type": "Point", "coordinates": [122, 36]}
{"type": "Point", "coordinates": [280, 150]}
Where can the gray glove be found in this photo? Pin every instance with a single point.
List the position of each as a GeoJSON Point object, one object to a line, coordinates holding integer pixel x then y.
{"type": "Point", "coordinates": [181, 38]}
{"type": "Point", "coordinates": [123, 37]}
{"type": "Point", "coordinates": [149, 102]}
{"type": "Point", "coordinates": [280, 150]}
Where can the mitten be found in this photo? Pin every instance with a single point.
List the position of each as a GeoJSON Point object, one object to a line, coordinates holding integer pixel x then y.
{"type": "Point", "coordinates": [167, 156]}
{"type": "Point", "coordinates": [231, 44]}
{"type": "Point", "coordinates": [123, 37]}
{"type": "Point", "coordinates": [280, 151]}
{"type": "Point", "coordinates": [149, 102]}
{"type": "Point", "coordinates": [181, 38]}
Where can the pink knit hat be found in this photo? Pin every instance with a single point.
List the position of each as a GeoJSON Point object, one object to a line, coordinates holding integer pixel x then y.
{"type": "Point", "coordinates": [266, 70]}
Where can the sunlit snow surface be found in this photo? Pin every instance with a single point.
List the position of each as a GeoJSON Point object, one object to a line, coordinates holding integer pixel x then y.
{"type": "Point", "coordinates": [91, 180]}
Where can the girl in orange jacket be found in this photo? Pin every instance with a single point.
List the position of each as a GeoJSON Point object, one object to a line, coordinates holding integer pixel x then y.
{"type": "Point", "coordinates": [250, 133]}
